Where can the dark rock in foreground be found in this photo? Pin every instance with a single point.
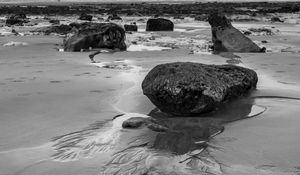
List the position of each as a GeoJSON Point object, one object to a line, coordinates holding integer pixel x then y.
{"type": "Point", "coordinates": [185, 88]}
{"type": "Point", "coordinates": [103, 35]}
{"type": "Point", "coordinates": [159, 24]}
{"type": "Point", "coordinates": [226, 38]}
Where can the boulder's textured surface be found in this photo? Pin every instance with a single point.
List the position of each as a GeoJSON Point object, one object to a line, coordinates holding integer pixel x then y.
{"type": "Point", "coordinates": [159, 24]}
{"type": "Point", "coordinates": [103, 35]}
{"type": "Point", "coordinates": [226, 38]}
{"type": "Point", "coordinates": [185, 88]}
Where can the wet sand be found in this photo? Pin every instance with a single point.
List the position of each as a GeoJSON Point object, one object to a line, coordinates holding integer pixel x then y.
{"type": "Point", "coordinates": [48, 97]}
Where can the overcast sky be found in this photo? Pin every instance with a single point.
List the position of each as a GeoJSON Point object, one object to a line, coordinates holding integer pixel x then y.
{"type": "Point", "coordinates": [24, 1]}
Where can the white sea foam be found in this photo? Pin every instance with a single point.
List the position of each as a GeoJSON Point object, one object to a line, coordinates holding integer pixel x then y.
{"type": "Point", "coordinates": [14, 43]}
{"type": "Point", "coordinates": [135, 48]}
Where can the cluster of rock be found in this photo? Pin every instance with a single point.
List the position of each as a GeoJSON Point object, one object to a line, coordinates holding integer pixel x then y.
{"type": "Point", "coordinates": [227, 38]}
{"type": "Point", "coordinates": [58, 29]}
{"type": "Point", "coordinates": [17, 19]}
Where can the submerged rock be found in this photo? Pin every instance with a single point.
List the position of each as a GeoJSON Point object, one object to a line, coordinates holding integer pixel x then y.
{"type": "Point", "coordinates": [103, 35]}
{"type": "Point", "coordinates": [226, 38]}
{"type": "Point", "coordinates": [159, 24]}
{"type": "Point", "coordinates": [185, 88]}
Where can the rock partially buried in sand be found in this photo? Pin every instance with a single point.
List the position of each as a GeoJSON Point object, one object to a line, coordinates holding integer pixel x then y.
{"type": "Point", "coordinates": [103, 35]}
{"type": "Point", "coordinates": [137, 122]}
{"type": "Point", "coordinates": [185, 88]}
{"type": "Point", "coordinates": [226, 38]}
{"type": "Point", "coordinates": [134, 122]}
{"type": "Point", "coordinates": [159, 24]}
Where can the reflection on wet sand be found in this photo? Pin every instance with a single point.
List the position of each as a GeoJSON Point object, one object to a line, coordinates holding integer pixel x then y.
{"type": "Point", "coordinates": [179, 150]}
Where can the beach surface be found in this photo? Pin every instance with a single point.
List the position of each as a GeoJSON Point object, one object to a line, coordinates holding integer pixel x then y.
{"type": "Point", "coordinates": [48, 95]}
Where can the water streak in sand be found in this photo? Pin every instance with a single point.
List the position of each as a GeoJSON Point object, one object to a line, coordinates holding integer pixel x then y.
{"type": "Point", "coordinates": [101, 136]}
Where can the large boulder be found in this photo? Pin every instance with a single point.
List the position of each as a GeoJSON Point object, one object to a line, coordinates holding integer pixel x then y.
{"type": "Point", "coordinates": [102, 35]}
{"type": "Point", "coordinates": [159, 24]}
{"type": "Point", "coordinates": [185, 88]}
{"type": "Point", "coordinates": [226, 38]}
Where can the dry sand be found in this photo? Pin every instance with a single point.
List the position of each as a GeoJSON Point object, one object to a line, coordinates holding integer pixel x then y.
{"type": "Point", "coordinates": [45, 93]}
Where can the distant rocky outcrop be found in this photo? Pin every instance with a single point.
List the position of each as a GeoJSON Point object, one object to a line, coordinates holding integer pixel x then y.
{"type": "Point", "coordinates": [102, 35]}
{"type": "Point", "coordinates": [226, 38]}
{"type": "Point", "coordinates": [131, 27]}
{"type": "Point", "coordinates": [17, 19]}
{"type": "Point", "coordinates": [159, 24]}
{"type": "Point", "coordinates": [185, 88]}
{"type": "Point", "coordinates": [86, 17]}
{"type": "Point", "coordinates": [58, 29]}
